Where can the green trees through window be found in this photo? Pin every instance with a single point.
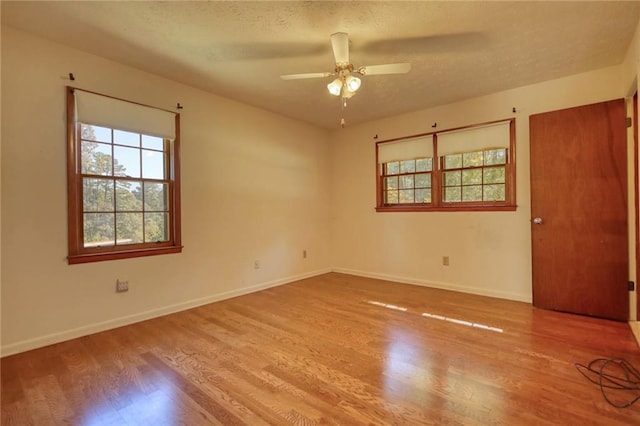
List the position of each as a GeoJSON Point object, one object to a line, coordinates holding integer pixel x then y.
{"type": "Point", "coordinates": [475, 176]}
{"type": "Point", "coordinates": [124, 187]}
{"type": "Point", "coordinates": [408, 181]}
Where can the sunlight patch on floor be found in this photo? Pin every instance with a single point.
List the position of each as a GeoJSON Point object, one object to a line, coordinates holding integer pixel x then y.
{"type": "Point", "coordinates": [462, 322]}
{"type": "Point", "coordinates": [387, 305]}
{"type": "Point", "coordinates": [438, 317]}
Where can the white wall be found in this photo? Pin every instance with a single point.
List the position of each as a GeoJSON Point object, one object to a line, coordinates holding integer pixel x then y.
{"type": "Point", "coordinates": [490, 252]}
{"type": "Point", "coordinates": [255, 186]}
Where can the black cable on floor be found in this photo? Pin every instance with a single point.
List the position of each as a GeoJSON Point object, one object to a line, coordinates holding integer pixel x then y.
{"type": "Point", "coordinates": [628, 378]}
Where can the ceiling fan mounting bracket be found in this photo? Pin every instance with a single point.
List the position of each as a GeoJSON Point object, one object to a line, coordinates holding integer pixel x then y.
{"type": "Point", "coordinates": [343, 66]}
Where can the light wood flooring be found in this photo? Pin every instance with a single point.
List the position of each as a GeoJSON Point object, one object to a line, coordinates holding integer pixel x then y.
{"type": "Point", "coordinates": [333, 349]}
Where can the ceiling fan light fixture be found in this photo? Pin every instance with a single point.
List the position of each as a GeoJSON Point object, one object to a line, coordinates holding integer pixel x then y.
{"type": "Point", "coordinates": [335, 87]}
{"type": "Point", "coordinates": [346, 93]}
{"type": "Point", "coordinates": [353, 83]}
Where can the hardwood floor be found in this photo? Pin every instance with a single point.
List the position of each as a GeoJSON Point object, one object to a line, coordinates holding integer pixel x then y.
{"type": "Point", "coordinates": [333, 349]}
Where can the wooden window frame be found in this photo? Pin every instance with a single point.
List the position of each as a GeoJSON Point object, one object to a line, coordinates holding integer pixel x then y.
{"type": "Point", "coordinates": [437, 204]}
{"type": "Point", "coordinates": [78, 253]}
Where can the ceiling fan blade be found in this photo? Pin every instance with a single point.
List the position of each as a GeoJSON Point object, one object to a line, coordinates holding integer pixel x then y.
{"type": "Point", "coordinates": [340, 44]}
{"type": "Point", "coordinates": [385, 69]}
{"type": "Point", "coordinates": [306, 75]}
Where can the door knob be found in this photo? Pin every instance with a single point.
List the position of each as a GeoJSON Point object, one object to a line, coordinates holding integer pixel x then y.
{"type": "Point", "coordinates": [537, 220]}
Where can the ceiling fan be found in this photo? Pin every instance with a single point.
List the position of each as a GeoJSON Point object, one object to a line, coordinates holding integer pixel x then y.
{"type": "Point", "coordinates": [348, 80]}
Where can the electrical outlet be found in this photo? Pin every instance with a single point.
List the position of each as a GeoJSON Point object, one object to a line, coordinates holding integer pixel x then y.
{"type": "Point", "coordinates": [445, 260]}
{"type": "Point", "coordinates": [256, 264]}
{"type": "Point", "coordinates": [122, 286]}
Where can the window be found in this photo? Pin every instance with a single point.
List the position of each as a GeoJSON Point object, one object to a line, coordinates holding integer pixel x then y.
{"type": "Point", "coordinates": [408, 181]}
{"type": "Point", "coordinates": [406, 169]}
{"type": "Point", "coordinates": [471, 168]}
{"type": "Point", "coordinates": [475, 176]}
{"type": "Point", "coordinates": [123, 179]}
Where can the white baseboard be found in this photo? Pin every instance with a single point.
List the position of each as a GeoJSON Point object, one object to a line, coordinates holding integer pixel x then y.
{"type": "Point", "coordinates": [38, 342]}
{"type": "Point", "coordinates": [440, 285]}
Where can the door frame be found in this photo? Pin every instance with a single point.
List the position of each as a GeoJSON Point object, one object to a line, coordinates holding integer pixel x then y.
{"type": "Point", "coordinates": [636, 185]}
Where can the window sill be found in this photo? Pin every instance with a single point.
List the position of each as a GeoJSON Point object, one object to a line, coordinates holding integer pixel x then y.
{"type": "Point", "coordinates": [501, 208]}
{"type": "Point", "coordinates": [123, 254]}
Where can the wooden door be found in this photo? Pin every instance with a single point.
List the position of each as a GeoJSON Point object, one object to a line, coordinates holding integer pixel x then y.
{"type": "Point", "coordinates": [579, 210]}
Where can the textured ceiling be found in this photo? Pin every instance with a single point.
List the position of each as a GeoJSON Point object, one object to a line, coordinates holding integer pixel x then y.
{"type": "Point", "coordinates": [457, 50]}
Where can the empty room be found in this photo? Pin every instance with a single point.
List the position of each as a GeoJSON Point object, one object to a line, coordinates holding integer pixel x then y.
{"type": "Point", "coordinates": [310, 212]}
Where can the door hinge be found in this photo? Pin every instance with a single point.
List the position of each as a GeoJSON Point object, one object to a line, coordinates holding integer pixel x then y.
{"type": "Point", "coordinates": [628, 121]}
{"type": "Point", "coordinates": [631, 286]}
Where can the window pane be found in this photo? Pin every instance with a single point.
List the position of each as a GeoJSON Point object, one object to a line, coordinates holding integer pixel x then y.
{"type": "Point", "coordinates": [156, 227]}
{"type": "Point", "coordinates": [494, 175]}
{"type": "Point", "coordinates": [127, 161]}
{"type": "Point", "coordinates": [494, 192]}
{"type": "Point", "coordinates": [98, 229]}
{"type": "Point", "coordinates": [452, 194]}
{"type": "Point", "coordinates": [152, 142]}
{"type": "Point", "coordinates": [424, 165]}
{"type": "Point", "coordinates": [391, 197]}
{"type": "Point", "coordinates": [391, 183]}
{"type": "Point", "coordinates": [452, 178]}
{"type": "Point", "coordinates": [423, 180]}
{"type": "Point", "coordinates": [407, 166]}
{"type": "Point", "coordinates": [126, 138]}
{"type": "Point", "coordinates": [472, 159]}
{"type": "Point", "coordinates": [97, 195]}
{"type": "Point", "coordinates": [96, 159]}
{"type": "Point", "coordinates": [156, 196]}
{"type": "Point", "coordinates": [406, 195]}
{"type": "Point", "coordinates": [153, 164]}
{"type": "Point", "coordinates": [128, 196]}
{"type": "Point", "coordinates": [129, 226]}
{"type": "Point", "coordinates": [495, 156]}
{"type": "Point", "coordinates": [406, 182]}
{"type": "Point", "coordinates": [453, 161]}
{"type": "Point", "coordinates": [423, 195]}
{"type": "Point", "coordinates": [95, 133]}
{"type": "Point", "coordinates": [472, 193]}
{"type": "Point", "coordinates": [393, 168]}
{"type": "Point", "coordinates": [472, 177]}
